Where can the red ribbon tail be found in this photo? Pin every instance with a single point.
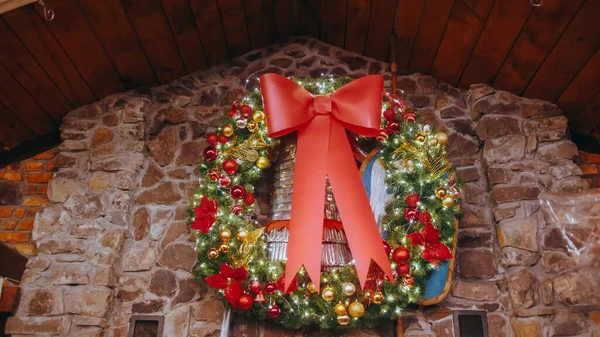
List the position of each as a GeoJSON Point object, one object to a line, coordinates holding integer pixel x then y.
{"type": "Point", "coordinates": [351, 199]}
{"type": "Point", "coordinates": [308, 198]}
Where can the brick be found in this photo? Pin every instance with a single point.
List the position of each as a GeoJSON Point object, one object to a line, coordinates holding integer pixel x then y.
{"type": "Point", "coordinates": [46, 155]}
{"type": "Point", "coordinates": [11, 176]}
{"type": "Point", "coordinates": [25, 248]}
{"type": "Point", "coordinates": [589, 157]}
{"type": "Point", "coordinates": [589, 169]}
{"type": "Point", "coordinates": [33, 166]}
{"type": "Point", "coordinates": [5, 212]}
{"type": "Point", "coordinates": [51, 166]}
{"type": "Point", "coordinates": [19, 212]}
{"type": "Point", "coordinates": [30, 189]}
{"type": "Point", "coordinates": [25, 225]}
{"type": "Point", "coordinates": [43, 189]}
{"type": "Point", "coordinates": [596, 182]}
{"type": "Point", "coordinates": [38, 177]}
{"type": "Point", "coordinates": [9, 224]}
{"type": "Point", "coordinates": [13, 167]}
{"type": "Point", "coordinates": [31, 212]}
{"type": "Point", "coordinates": [15, 237]}
{"type": "Point", "coordinates": [34, 201]}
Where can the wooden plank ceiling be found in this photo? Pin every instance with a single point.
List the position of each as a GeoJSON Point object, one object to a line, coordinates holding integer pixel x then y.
{"type": "Point", "coordinates": [93, 49]}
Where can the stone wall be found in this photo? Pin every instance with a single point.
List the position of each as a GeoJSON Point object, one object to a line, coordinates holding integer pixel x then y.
{"type": "Point", "coordinates": [23, 190]}
{"type": "Point", "coordinates": [114, 240]}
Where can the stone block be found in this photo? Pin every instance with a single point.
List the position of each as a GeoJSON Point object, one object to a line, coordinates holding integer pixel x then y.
{"type": "Point", "coordinates": [475, 216]}
{"type": "Point", "coordinates": [568, 324]}
{"type": "Point", "coordinates": [474, 239]}
{"type": "Point", "coordinates": [546, 292]}
{"type": "Point", "coordinates": [468, 174]}
{"type": "Point", "coordinates": [60, 189]}
{"type": "Point", "coordinates": [209, 309]}
{"type": "Point", "coordinates": [519, 233]}
{"type": "Point", "coordinates": [477, 291]}
{"type": "Point", "coordinates": [130, 287]}
{"type": "Point", "coordinates": [87, 300]}
{"type": "Point", "coordinates": [526, 327]}
{"type": "Point", "coordinates": [86, 206]}
{"type": "Point", "coordinates": [141, 257]}
{"type": "Point", "coordinates": [477, 264]}
{"type": "Point", "coordinates": [120, 162]}
{"type": "Point", "coordinates": [494, 126]}
{"type": "Point", "coordinates": [162, 147]}
{"type": "Point", "coordinates": [178, 255]}
{"type": "Point", "coordinates": [104, 276]}
{"type": "Point", "coordinates": [552, 152]}
{"type": "Point", "coordinates": [101, 181]}
{"type": "Point", "coordinates": [86, 230]}
{"type": "Point", "coordinates": [148, 306]}
{"type": "Point", "coordinates": [69, 273]}
{"type": "Point", "coordinates": [556, 262]}
{"type": "Point", "coordinates": [101, 135]}
{"type": "Point", "coordinates": [205, 329]}
{"type": "Point", "coordinates": [509, 193]}
{"type": "Point", "coordinates": [141, 223]}
{"type": "Point", "coordinates": [176, 230]}
{"type": "Point", "coordinates": [577, 287]}
{"type": "Point", "coordinates": [177, 322]}
{"type": "Point", "coordinates": [126, 180]}
{"type": "Point", "coordinates": [33, 326]}
{"type": "Point", "coordinates": [497, 325]}
{"type": "Point", "coordinates": [42, 302]}
{"type": "Point", "coordinates": [190, 153]}
{"type": "Point", "coordinates": [461, 146]}
{"type": "Point", "coordinates": [159, 220]}
{"type": "Point", "coordinates": [60, 246]}
{"type": "Point", "coordinates": [521, 288]}
{"type": "Point", "coordinates": [189, 288]}
{"type": "Point", "coordinates": [512, 257]}
{"type": "Point", "coordinates": [504, 149]}
{"type": "Point", "coordinates": [536, 108]}
{"type": "Point", "coordinates": [166, 193]}
{"type": "Point", "coordinates": [536, 125]}
{"type": "Point", "coordinates": [163, 282]}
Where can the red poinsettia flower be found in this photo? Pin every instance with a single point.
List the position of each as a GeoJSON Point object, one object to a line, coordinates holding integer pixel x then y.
{"type": "Point", "coordinates": [424, 217]}
{"type": "Point", "coordinates": [412, 200]}
{"type": "Point", "coordinates": [231, 281]}
{"type": "Point", "coordinates": [411, 214]}
{"type": "Point", "coordinates": [206, 214]}
{"type": "Point", "coordinates": [429, 237]}
{"type": "Point", "coordinates": [281, 285]}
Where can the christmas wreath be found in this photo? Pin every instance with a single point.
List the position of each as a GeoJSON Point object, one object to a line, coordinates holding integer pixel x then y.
{"type": "Point", "coordinates": [418, 224]}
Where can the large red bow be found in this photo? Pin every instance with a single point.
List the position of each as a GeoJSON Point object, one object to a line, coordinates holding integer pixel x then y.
{"type": "Point", "coordinates": [323, 151]}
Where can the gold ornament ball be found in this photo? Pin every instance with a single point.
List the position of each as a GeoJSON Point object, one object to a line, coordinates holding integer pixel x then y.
{"type": "Point", "coordinates": [262, 162]}
{"type": "Point", "coordinates": [242, 235]}
{"type": "Point", "coordinates": [356, 309]}
{"type": "Point", "coordinates": [252, 126]}
{"type": "Point", "coordinates": [426, 129]}
{"type": "Point", "coordinates": [212, 254]}
{"type": "Point", "coordinates": [441, 192]}
{"type": "Point", "coordinates": [420, 138]}
{"type": "Point", "coordinates": [224, 248]}
{"type": "Point", "coordinates": [433, 142]}
{"type": "Point", "coordinates": [348, 289]}
{"type": "Point", "coordinates": [448, 201]}
{"type": "Point", "coordinates": [442, 138]}
{"type": "Point", "coordinates": [258, 116]}
{"type": "Point", "coordinates": [328, 294]}
{"type": "Point", "coordinates": [343, 319]}
{"type": "Point", "coordinates": [378, 298]}
{"type": "Point", "coordinates": [225, 234]}
{"type": "Point", "coordinates": [368, 295]}
{"type": "Point", "coordinates": [340, 309]}
{"type": "Point", "coordinates": [311, 288]}
{"type": "Point", "coordinates": [228, 130]}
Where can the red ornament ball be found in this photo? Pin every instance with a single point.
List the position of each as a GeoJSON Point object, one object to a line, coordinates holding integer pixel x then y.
{"type": "Point", "coordinates": [210, 153]}
{"type": "Point", "coordinates": [237, 192]}
{"type": "Point", "coordinates": [232, 113]}
{"type": "Point", "coordinates": [392, 127]}
{"type": "Point", "coordinates": [249, 199]}
{"type": "Point", "coordinates": [403, 269]}
{"type": "Point", "coordinates": [412, 200]}
{"type": "Point", "coordinates": [246, 110]}
{"type": "Point", "coordinates": [245, 302]}
{"type": "Point", "coordinates": [401, 255]}
{"type": "Point", "coordinates": [212, 138]}
{"type": "Point", "coordinates": [274, 311]}
{"type": "Point", "coordinates": [425, 217]}
{"type": "Point", "coordinates": [270, 288]}
{"type": "Point", "coordinates": [223, 139]}
{"type": "Point", "coordinates": [235, 104]}
{"type": "Point", "coordinates": [230, 166]}
{"type": "Point", "coordinates": [224, 181]}
{"type": "Point", "coordinates": [410, 117]}
{"type": "Point", "coordinates": [411, 214]}
{"type": "Point", "coordinates": [389, 114]}
{"type": "Point", "coordinates": [236, 209]}
{"type": "Point", "coordinates": [255, 287]}
{"type": "Point", "coordinates": [387, 247]}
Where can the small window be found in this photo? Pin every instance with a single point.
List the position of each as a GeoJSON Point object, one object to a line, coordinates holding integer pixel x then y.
{"type": "Point", "coordinates": [470, 323]}
{"type": "Point", "coordinates": [146, 326]}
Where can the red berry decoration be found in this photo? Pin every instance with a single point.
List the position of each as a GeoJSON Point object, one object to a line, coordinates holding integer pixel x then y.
{"type": "Point", "coordinates": [232, 113]}
{"type": "Point", "coordinates": [223, 139]}
{"type": "Point", "coordinates": [389, 114]}
{"type": "Point", "coordinates": [236, 209]}
{"type": "Point", "coordinates": [392, 127]}
{"type": "Point", "coordinates": [401, 255]}
{"type": "Point", "coordinates": [274, 311]}
{"type": "Point", "coordinates": [270, 288]}
{"type": "Point", "coordinates": [255, 287]}
{"type": "Point", "coordinates": [245, 302]}
{"type": "Point", "coordinates": [237, 192]}
{"type": "Point", "coordinates": [225, 181]}
{"type": "Point", "coordinates": [412, 200]}
{"type": "Point", "coordinates": [210, 153]}
{"type": "Point", "coordinates": [246, 110]}
{"type": "Point", "coordinates": [410, 117]}
{"type": "Point", "coordinates": [235, 104]}
{"type": "Point", "coordinates": [411, 214]}
{"type": "Point", "coordinates": [230, 166]}
{"type": "Point", "coordinates": [425, 217]}
{"type": "Point", "coordinates": [212, 138]}
{"type": "Point", "coordinates": [249, 199]}
{"type": "Point", "coordinates": [403, 269]}
{"type": "Point", "coordinates": [387, 247]}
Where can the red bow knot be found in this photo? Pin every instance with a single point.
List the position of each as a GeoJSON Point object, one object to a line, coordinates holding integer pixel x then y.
{"type": "Point", "coordinates": [323, 151]}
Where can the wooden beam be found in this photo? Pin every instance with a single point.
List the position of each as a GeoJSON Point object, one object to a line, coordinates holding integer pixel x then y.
{"type": "Point", "coordinates": [111, 26]}
{"type": "Point", "coordinates": [381, 24]}
{"type": "Point", "coordinates": [12, 264]}
{"type": "Point", "coordinates": [333, 22]}
{"type": "Point", "coordinates": [407, 26]}
{"type": "Point", "coordinates": [261, 27]}
{"type": "Point", "coordinates": [357, 25]}
{"type": "Point", "coordinates": [465, 25]}
{"type": "Point", "coordinates": [30, 148]}
{"type": "Point", "coordinates": [234, 23]}
{"type": "Point", "coordinates": [500, 32]}
{"type": "Point", "coordinates": [9, 5]}
{"type": "Point", "coordinates": [210, 27]}
{"type": "Point", "coordinates": [309, 17]}
{"type": "Point", "coordinates": [9, 299]}
{"type": "Point", "coordinates": [12, 130]}
{"type": "Point", "coordinates": [582, 89]}
{"type": "Point", "coordinates": [579, 42]}
{"type": "Point", "coordinates": [283, 11]}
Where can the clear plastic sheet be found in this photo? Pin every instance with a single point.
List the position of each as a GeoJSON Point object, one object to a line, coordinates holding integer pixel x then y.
{"type": "Point", "coordinates": [577, 216]}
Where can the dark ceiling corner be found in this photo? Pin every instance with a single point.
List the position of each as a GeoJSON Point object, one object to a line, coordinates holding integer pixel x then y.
{"type": "Point", "coordinates": [30, 148]}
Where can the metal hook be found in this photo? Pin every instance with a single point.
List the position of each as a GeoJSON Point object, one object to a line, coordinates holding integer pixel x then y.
{"type": "Point", "coordinates": [48, 13]}
{"type": "Point", "coordinates": [536, 3]}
